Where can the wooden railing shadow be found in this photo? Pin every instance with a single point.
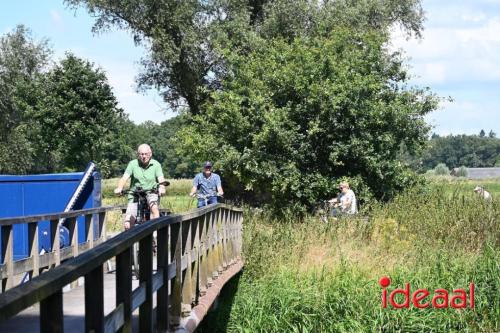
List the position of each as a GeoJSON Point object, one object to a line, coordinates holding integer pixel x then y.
{"type": "Point", "coordinates": [197, 253]}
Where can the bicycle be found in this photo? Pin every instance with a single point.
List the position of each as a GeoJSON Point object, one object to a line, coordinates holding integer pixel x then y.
{"type": "Point", "coordinates": [143, 215]}
{"type": "Point", "coordinates": [206, 197]}
{"type": "Point", "coordinates": [324, 209]}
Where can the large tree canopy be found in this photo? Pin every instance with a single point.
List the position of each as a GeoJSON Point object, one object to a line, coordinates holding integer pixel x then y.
{"type": "Point", "coordinates": [76, 116]}
{"type": "Point", "coordinates": [294, 119]}
{"type": "Point", "coordinates": [22, 61]}
{"type": "Point", "coordinates": [184, 38]}
{"type": "Point", "coordinates": [288, 96]}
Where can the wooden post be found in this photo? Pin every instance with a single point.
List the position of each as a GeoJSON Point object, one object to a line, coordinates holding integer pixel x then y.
{"type": "Point", "coordinates": [124, 288]}
{"type": "Point", "coordinates": [229, 238]}
{"type": "Point", "coordinates": [195, 273]}
{"type": "Point", "coordinates": [176, 293]}
{"type": "Point", "coordinates": [89, 230]}
{"type": "Point", "coordinates": [56, 244]}
{"type": "Point", "coordinates": [187, 274]}
{"type": "Point", "coordinates": [220, 248]}
{"type": "Point", "coordinates": [51, 314]}
{"type": "Point", "coordinates": [94, 300]}
{"type": "Point", "coordinates": [73, 235]}
{"type": "Point", "coordinates": [102, 226]}
{"type": "Point", "coordinates": [162, 293]}
{"type": "Point", "coordinates": [233, 236]}
{"type": "Point", "coordinates": [212, 254]}
{"type": "Point", "coordinates": [240, 236]}
{"type": "Point", "coordinates": [33, 248]}
{"type": "Point", "coordinates": [8, 256]}
{"type": "Point", "coordinates": [224, 244]}
{"type": "Point", "coordinates": [202, 286]}
{"type": "Point", "coordinates": [146, 275]}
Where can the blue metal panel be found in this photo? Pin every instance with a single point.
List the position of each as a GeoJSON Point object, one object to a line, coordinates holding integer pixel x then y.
{"type": "Point", "coordinates": [45, 197]}
{"type": "Point", "coordinates": [11, 204]}
{"type": "Point", "coordinates": [41, 194]}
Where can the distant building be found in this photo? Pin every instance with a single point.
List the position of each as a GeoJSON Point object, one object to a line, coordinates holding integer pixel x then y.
{"type": "Point", "coordinates": [479, 173]}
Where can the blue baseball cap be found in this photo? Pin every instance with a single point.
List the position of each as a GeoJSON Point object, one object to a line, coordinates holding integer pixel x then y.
{"type": "Point", "coordinates": [207, 164]}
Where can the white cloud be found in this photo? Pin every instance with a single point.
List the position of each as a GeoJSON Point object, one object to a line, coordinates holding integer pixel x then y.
{"type": "Point", "coordinates": [447, 55]}
{"type": "Point", "coordinates": [56, 17]}
{"type": "Point", "coordinates": [459, 56]}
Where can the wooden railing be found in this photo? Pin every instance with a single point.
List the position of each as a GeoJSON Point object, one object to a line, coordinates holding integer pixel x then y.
{"type": "Point", "coordinates": [35, 262]}
{"type": "Point", "coordinates": [194, 252]}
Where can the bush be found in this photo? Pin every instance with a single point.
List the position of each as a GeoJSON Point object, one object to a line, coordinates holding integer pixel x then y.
{"type": "Point", "coordinates": [462, 172]}
{"type": "Point", "coordinates": [441, 170]}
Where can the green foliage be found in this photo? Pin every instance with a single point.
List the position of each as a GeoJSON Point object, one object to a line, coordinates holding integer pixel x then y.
{"type": "Point", "coordinates": [462, 172]}
{"type": "Point", "coordinates": [185, 38]}
{"type": "Point", "coordinates": [161, 138]}
{"type": "Point", "coordinates": [441, 170]}
{"type": "Point", "coordinates": [76, 116]}
{"type": "Point", "coordinates": [296, 118]}
{"type": "Point", "coordinates": [467, 150]}
{"type": "Point", "coordinates": [58, 118]}
{"type": "Point", "coordinates": [22, 61]}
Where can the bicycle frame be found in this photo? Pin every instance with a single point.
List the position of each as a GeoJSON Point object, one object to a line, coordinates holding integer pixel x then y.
{"type": "Point", "coordinates": [206, 197]}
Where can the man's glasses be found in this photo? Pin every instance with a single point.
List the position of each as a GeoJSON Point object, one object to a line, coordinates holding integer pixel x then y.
{"type": "Point", "coordinates": [143, 154]}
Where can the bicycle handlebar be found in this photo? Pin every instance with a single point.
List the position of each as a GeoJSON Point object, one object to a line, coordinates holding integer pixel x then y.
{"type": "Point", "coordinates": [206, 196]}
{"type": "Point", "coordinates": [140, 190]}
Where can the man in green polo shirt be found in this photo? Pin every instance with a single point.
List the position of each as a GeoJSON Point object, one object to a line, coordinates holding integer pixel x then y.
{"type": "Point", "coordinates": [144, 172]}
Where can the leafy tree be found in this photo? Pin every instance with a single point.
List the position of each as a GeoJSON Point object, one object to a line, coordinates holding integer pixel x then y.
{"type": "Point", "coordinates": [77, 116]}
{"type": "Point", "coordinates": [457, 150]}
{"type": "Point", "coordinates": [296, 118]}
{"type": "Point", "coordinates": [185, 38]}
{"type": "Point", "coordinates": [175, 163]}
{"type": "Point", "coordinates": [161, 138]}
{"type": "Point", "coordinates": [492, 134]}
{"type": "Point", "coordinates": [482, 134]}
{"type": "Point", "coordinates": [59, 118]}
{"type": "Point", "coordinates": [22, 61]}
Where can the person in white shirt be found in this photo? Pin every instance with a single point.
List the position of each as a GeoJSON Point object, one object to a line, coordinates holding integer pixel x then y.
{"type": "Point", "coordinates": [345, 202]}
{"type": "Point", "coordinates": [482, 193]}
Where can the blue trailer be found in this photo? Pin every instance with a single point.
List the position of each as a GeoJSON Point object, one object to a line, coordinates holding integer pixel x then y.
{"type": "Point", "coordinates": [45, 194]}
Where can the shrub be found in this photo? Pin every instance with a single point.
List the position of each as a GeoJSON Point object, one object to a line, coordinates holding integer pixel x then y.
{"type": "Point", "coordinates": [441, 170]}
{"type": "Point", "coordinates": [462, 172]}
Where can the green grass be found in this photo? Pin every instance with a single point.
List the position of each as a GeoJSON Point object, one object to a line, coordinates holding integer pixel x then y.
{"type": "Point", "coordinates": [176, 200]}
{"type": "Point", "coordinates": [465, 186]}
{"type": "Point", "coordinates": [307, 276]}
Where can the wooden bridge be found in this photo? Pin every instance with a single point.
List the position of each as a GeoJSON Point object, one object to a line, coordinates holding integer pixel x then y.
{"type": "Point", "coordinates": [197, 252]}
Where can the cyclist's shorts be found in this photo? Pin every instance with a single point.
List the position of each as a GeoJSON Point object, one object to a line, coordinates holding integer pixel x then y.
{"type": "Point", "coordinates": [132, 206]}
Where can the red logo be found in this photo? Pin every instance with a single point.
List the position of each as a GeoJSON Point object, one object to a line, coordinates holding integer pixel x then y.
{"type": "Point", "coordinates": [422, 298]}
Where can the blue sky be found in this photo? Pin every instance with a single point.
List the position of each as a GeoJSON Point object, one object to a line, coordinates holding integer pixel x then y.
{"type": "Point", "coordinates": [458, 56]}
{"type": "Point", "coordinates": [113, 51]}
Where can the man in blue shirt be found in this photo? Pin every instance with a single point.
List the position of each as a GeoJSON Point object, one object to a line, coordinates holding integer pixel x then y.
{"type": "Point", "coordinates": [208, 186]}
